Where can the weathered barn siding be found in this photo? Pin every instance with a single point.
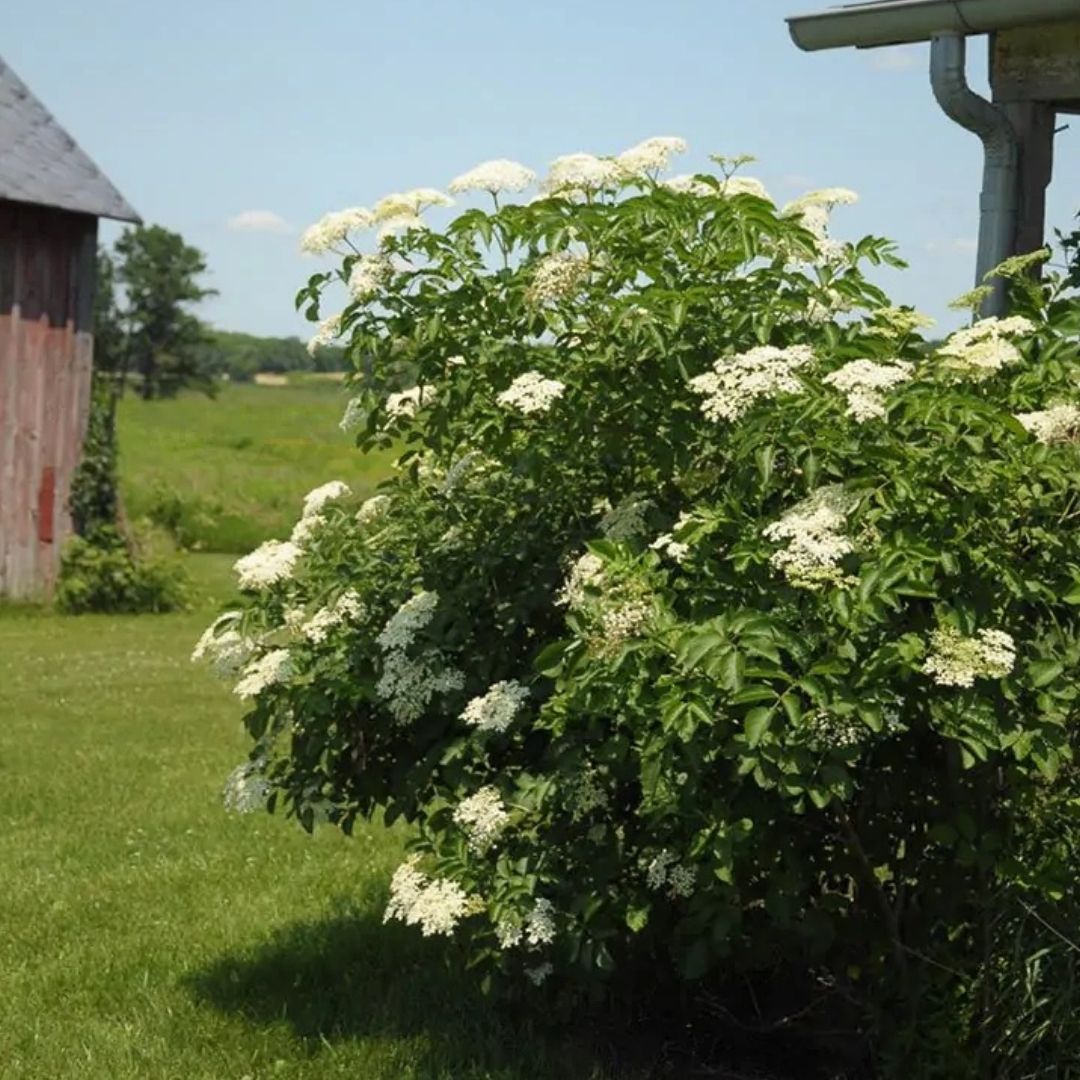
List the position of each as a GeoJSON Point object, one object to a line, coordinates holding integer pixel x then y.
{"type": "Point", "coordinates": [46, 345]}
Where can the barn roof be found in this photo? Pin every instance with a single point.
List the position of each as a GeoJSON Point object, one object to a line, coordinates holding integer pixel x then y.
{"type": "Point", "coordinates": [41, 163]}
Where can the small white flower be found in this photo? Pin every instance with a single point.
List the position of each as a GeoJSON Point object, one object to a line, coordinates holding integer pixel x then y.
{"type": "Point", "coordinates": [667, 545]}
{"type": "Point", "coordinates": [559, 276]}
{"type": "Point", "coordinates": [483, 817]}
{"type": "Point", "coordinates": [494, 176]}
{"type": "Point", "coordinates": [270, 669]}
{"type": "Point", "coordinates": [318, 497]}
{"type": "Point", "coordinates": [982, 349]}
{"type": "Point", "coordinates": [328, 330]}
{"type": "Point", "coordinates": [737, 382]}
{"type": "Point", "coordinates": [368, 274]}
{"type": "Point", "coordinates": [574, 174]}
{"type": "Point", "coordinates": [331, 229]}
{"type": "Point", "coordinates": [495, 710]}
{"type": "Point", "coordinates": [224, 647]}
{"type": "Point", "coordinates": [270, 562]}
{"type": "Point", "coordinates": [651, 156]}
{"type": "Point", "coordinates": [1059, 423]}
{"type": "Point", "coordinates": [348, 607]}
{"type": "Point", "coordinates": [865, 382]}
{"type": "Point", "coordinates": [958, 661]}
{"type": "Point", "coordinates": [816, 544]}
{"type": "Point", "coordinates": [408, 620]}
{"type": "Point", "coordinates": [435, 905]}
{"type": "Point", "coordinates": [585, 576]}
{"type": "Point", "coordinates": [531, 393]}
{"type": "Point", "coordinates": [372, 509]}
{"type": "Point", "coordinates": [508, 934]}
{"type": "Point", "coordinates": [405, 403]}
{"type": "Point", "coordinates": [540, 924]}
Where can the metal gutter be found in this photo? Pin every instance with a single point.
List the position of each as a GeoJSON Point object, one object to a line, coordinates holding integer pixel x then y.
{"type": "Point", "coordinates": [897, 22]}
{"type": "Point", "coordinates": [998, 203]}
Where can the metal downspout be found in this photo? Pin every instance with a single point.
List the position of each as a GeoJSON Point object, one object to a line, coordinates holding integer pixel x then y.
{"type": "Point", "coordinates": [998, 203]}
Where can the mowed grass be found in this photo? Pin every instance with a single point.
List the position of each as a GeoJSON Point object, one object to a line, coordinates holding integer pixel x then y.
{"type": "Point", "coordinates": [224, 474]}
{"type": "Point", "coordinates": [148, 934]}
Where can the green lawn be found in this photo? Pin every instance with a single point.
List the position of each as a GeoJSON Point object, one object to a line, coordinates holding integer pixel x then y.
{"type": "Point", "coordinates": [227, 473]}
{"type": "Point", "coordinates": [147, 934]}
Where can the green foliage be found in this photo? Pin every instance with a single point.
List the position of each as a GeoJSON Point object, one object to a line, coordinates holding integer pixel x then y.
{"type": "Point", "coordinates": [242, 356]}
{"type": "Point", "coordinates": [801, 654]}
{"type": "Point", "coordinates": [160, 339]}
{"type": "Point", "coordinates": [226, 474]}
{"type": "Point", "coordinates": [94, 487]}
{"type": "Point", "coordinates": [101, 572]}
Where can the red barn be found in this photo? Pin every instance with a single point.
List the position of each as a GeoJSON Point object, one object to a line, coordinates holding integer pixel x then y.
{"type": "Point", "coordinates": [51, 196]}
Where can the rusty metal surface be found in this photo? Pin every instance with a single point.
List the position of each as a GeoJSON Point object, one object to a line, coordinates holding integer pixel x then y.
{"type": "Point", "coordinates": [41, 163]}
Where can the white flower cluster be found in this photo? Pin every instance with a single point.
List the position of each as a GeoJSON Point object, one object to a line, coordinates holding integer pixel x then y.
{"type": "Point", "coordinates": [816, 544]}
{"type": "Point", "coordinates": [409, 203]}
{"type": "Point", "coordinates": [1059, 423]}
{"type": "Point", "coordinates": [813, 209]}
{"type": "Point", "coordinates": [626, 520]}
{"type": "Point", "coordinates": [864, 383]}
{"type": "Point", "coordinates": [402, 627]}
{"type": "Point", "coordinates": [372, 509]}
{"type": "Point", "coordinates": [982, 349]}
{"type": "Point", "coordinates": [531, 393]}
{"type": "Point", "coordinates": [496, 709]}
{"type": "Point", "coordinates": [665, 869]}
{"type": "Point", "coordinates": [318, 497]}
{"type": "Point", "coordinates": [826, 198]}
{"type": "Point", "coordinates": [269, 563]}
{"type": "Point", "coordinates": [580, 174]}
{"type": "Point", "coordinates": [245, 789]}
{"type": "Point", "coordinates": [273, 667]}
{"type": "Point", "coordinates": [737, 382]}
{"type": "Point", "coordinates": [688, 184]}
{"type": "Point", "coordinates": [666, 544]}
{"type": "Point", "coordinates": [368, 273]}
{"type": "Point", "coordinates": [348, 607]}
{"type": "Point", "coordinates": [407, 683]}
{"type": "Point", "coordinates": [353, 416]}
{"type": "Point", "coordinates": [827, 730]}
{"type": "Point", "coordinates": [493, 177]}
{"type": "Point", "coordinates": [621, 622]}
{"type": "Point", "coordinates": [540, 924]}
{"type": "Point", "coordinates": [223, 646]}
{"type": "Point", "coordinates": [325, 332]}
{"type": "Point", "coordinates": [585, 575]}
{"type": "Point", "coordinates": [559, 276]}
{"type": "Point", "coordinates": [483, 817]}
{"type": "Point", "coordinates": [651, 156]}
{"type": "Point", "coordinates": [405, 403]}
{"type": "Point", "coordinates": [434, 904]}
{"type": "Point", "coordinates": [331, 229]}
{"type": "Point", "coordinates": [956, 660]}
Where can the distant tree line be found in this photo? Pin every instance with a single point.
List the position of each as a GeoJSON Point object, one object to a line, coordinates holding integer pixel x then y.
{"type": "Point", "coordinates": [148, 337]}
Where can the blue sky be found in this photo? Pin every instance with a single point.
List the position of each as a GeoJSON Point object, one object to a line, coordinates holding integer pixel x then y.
{"type": "Point", "coordinates": [199, 111]}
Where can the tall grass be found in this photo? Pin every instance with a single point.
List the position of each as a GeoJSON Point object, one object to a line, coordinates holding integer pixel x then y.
{"type": "Point", "coordinates": [225, 474]}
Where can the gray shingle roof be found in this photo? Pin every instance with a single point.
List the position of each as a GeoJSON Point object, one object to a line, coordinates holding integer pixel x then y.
{"type": "Point", "coordinates": [41, 163]}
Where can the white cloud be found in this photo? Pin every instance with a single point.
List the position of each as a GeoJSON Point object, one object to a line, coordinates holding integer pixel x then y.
{"type": "Point", "coordinates": [897, 58]}
{"type": "Point", "coordinates": [963, 245]}
{"type": "Point", "coordinates": [258, 221]}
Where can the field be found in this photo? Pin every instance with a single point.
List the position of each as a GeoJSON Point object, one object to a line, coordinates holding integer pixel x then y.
{"type": "Point", "coordinates": [226, 474]}
{"type": "Point", "coordinates": [148, 934]}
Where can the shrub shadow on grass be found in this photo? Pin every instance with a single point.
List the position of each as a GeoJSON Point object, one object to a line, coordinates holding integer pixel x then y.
{"type": "Point", "coordinates": [349, 977]}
